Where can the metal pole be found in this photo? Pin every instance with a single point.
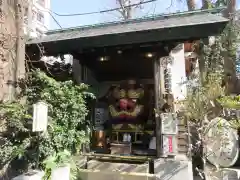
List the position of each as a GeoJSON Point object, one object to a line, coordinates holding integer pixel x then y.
{"type": "Point", "coordinates": [151, 166]}
{"type": "Point", "coordinates": [38, 149]}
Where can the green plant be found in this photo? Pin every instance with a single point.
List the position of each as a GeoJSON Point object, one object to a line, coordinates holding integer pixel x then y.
{"type": "Point", "coordinates": [67, 127]}
{"type": "Point", "coordinates": [207, 99]}
{"type": "Point", "coordinates": [60, 159]}
{"type": "Point", "coordinates": [230, 102]}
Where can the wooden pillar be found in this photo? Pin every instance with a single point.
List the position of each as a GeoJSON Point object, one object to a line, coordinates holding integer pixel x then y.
{"type": "Point", "coordinates": [173, 87]}
{"type": "Point", "coordinates": [158, 95]}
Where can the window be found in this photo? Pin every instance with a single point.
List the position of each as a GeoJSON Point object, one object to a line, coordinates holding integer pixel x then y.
{"type": "Point", "coordinates": [11, 2]}
{"type": "Point", "coordinates": [40, 17]}
{"type": "Point", "coordinates": [26, 12]}
{"type": "Point", "coordinates": [41, 2]}
{"type": "Point", "coordinates": [26, 16]}
{"type": "Point", "coordinates": [34, 13]}
{"type": "Point", "coordinates": [38, 32]}
{"type": "Point", "coordinates": [1, 15]}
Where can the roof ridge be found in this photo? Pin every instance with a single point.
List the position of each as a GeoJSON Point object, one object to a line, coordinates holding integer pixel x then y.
{"type": "Point", "coordinates": [137, 20]}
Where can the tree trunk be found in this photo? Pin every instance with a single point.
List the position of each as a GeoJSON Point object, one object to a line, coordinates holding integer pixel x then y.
{"type": "Point", "coordinates": [125, 10]}
{"type": "Point", "coordinates": [230, 56]}
{"type": "Point", "coordinates": [231, 8]}
{"type": "Point", "coordinates": [191, 5]}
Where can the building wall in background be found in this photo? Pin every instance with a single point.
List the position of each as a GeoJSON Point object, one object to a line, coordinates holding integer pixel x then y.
{"type": "Point", "coordinates": [37, 18]}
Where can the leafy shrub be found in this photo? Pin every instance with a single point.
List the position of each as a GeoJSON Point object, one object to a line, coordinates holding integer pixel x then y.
{"type": "Point", "coordinates": [67, 124]}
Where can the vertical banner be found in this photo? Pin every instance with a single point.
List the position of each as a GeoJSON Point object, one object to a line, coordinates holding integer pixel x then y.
{"type": "Point", "coordinates": [169, 123]}
{"type": "Point", "coordinates": [179, 76]}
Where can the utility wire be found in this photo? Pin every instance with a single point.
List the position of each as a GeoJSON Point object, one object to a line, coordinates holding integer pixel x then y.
{"type": "Point", "coordinates": [104, 11]}
{"type": "Point", "coordinates": [55, 20]}
{"type": "Point", "coordinates": [52, 13]}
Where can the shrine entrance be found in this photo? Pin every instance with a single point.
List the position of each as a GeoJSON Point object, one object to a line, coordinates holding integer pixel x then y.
{"type": "Point", "coordinates": [133, 81]}
{"type": "Point", "coordinates": [124, 118]}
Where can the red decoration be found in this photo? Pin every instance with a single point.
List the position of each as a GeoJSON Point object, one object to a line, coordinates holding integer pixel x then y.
{"type": "Point", "coordinates": [123, 103]}
{"type": "Point", "coordinates": [131, 104]}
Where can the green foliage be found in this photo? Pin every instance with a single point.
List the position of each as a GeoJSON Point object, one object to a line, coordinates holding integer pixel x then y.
{"type": "Point", "coordinates": [203, 98]}
{"type": "Point", "coordinates": [231, 105]}
{"type": "Point", "coordinates": [16, 138]}
{"type": "Point", "coordinates": [207, 99]}
{"type": "Point", "coordinates": [60, 159]}
{"type": "Point", "coordinates": [230, 102]}
{"type": "Point", "coordinates": [67, 127]}
{"type": "Point", "coordinates": [200, 101]}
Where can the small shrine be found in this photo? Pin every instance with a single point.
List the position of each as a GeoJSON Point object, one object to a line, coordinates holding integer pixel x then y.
{"type": "Point", "coordinates": [138, 69]}
{"type": "Point", "coordinates": [130, 107]}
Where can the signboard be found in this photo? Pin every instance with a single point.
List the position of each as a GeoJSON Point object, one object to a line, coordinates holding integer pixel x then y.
{"type": "Point", "coordinates": [164, 61]}
{"type": "Point", "coordinates": [169, 145]}
{"type": "Point", "coordinates": [99, 117]}
{"type": "Point", "coordinates": [40, 117]}
{"type": "Point", "coordinates": [169, 123]}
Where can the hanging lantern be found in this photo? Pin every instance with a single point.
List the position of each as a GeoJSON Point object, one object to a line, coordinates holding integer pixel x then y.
{"type": "Point", "coordinates": [40, 117]}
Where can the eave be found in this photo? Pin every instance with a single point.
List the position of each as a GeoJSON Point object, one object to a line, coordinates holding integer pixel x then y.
{"type": "Point", "coordinates": [173, 27]}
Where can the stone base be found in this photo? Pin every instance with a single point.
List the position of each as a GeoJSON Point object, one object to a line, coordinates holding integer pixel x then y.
{"type": "Point", "coordinates": [222, 174]}
{"type": "Point", "coordinates": [34, 175]}
{"type": "Point", "coordinates": [164, 169]}
{"type": "Point", "coordinates": [93, 175]}
{"type": "Point", "coordinates": [173, 169]}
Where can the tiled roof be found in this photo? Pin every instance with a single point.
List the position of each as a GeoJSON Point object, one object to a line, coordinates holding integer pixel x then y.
{"type": "Point", "coordinates": [136, 25]}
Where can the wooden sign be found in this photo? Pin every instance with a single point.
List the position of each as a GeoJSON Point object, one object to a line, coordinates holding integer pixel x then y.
{"type": "Point", "coordinates": [99, 117]}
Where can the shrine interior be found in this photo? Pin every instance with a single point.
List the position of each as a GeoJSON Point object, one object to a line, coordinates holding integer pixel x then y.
{"type": "Point", "coordinates": [123, 116]}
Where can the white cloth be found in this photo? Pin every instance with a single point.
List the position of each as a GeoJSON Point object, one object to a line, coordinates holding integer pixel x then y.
{"type": "Point", "coordinates": [152, 144]}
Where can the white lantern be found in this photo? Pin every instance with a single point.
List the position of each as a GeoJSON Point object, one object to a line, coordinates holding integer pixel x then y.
{"type": "Point", "coordinates": [40, 117]}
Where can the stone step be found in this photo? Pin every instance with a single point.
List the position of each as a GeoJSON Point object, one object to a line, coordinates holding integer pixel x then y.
{"type": "Point", "coordinates": [99, 175]}
{"type": "Point", "coordinates": [164, 168]}
{"type": "Point", "coordinates": [117, 167]}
